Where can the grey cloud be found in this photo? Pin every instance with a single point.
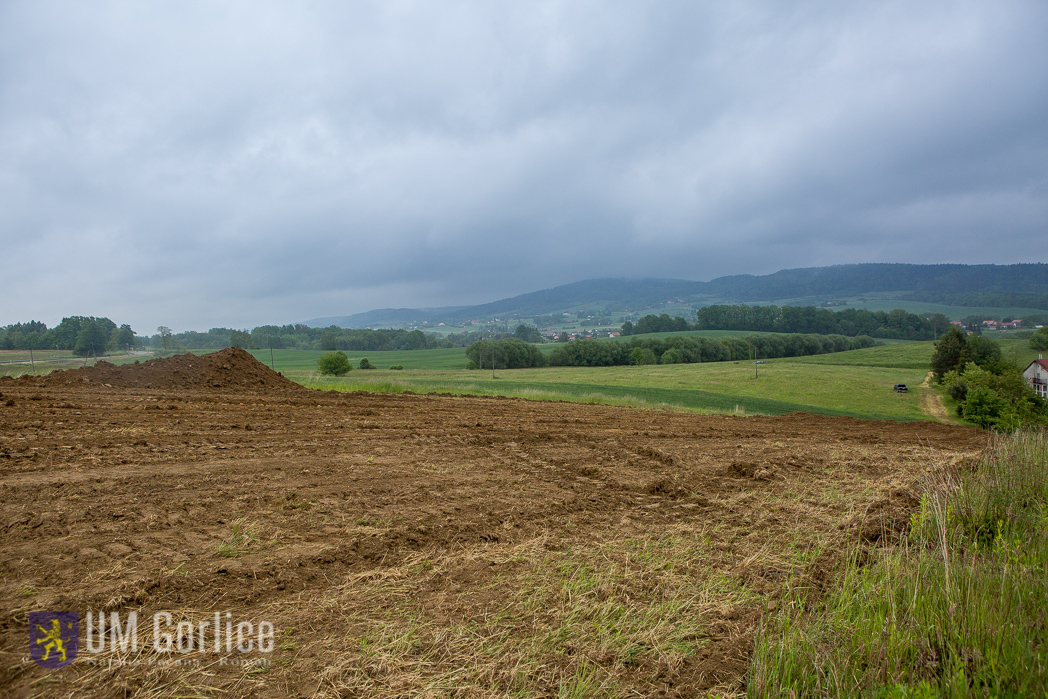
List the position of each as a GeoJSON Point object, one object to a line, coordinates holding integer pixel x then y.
{"type": "Point", "coordinates": [195, 164]}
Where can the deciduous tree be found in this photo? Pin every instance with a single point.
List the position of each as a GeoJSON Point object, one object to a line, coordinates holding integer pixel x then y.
{"type": "Point", "coordinates": [334, 364]}
{"type": "Point", "coordinates": [951, 352]}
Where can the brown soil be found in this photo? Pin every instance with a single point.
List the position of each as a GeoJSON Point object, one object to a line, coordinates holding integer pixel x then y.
{"type": "Point", "coordinates": [421, 545]}
{"type": "Point", "coordinates": [228, 368]}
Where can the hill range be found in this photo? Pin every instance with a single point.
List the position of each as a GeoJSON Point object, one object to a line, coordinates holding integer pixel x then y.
{"type": "Point", "coordinates": [1010, 288]}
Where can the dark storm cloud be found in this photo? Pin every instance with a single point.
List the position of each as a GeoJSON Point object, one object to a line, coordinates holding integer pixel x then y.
{"type": "Point", "coordinates": [202, 164]}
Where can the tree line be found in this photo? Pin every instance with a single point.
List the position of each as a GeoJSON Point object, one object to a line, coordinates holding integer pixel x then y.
{"type": "Point", "coordinates": [85, 336]}
{"type": "Point", "coordinates": [896, 324]}
{"type": "Point", "coordinates": [303, 337]}
{"type": "Point", "coordinates": [850, 322]}
{"type": "Point", "coordinates": [512, 353]}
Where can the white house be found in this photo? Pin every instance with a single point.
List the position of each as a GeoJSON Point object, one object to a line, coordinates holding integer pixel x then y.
{"type": "Point", "coordinates": [1037, 376]}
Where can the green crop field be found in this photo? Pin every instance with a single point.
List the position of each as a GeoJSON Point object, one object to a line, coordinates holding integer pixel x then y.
{"type": "Point", "coordinates": [781, 386]}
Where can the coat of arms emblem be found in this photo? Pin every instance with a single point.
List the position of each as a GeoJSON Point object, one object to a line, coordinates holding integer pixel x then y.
{"type": "Point", "coordinates": [54, 638]}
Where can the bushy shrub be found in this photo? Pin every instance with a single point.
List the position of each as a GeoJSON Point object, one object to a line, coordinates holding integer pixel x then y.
{"type": "Point", "coordinates": [984, 407]}
{"type": "Point", "coordinates": [334, 364]}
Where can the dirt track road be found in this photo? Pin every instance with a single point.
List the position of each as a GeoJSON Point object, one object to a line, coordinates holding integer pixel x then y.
{"type": "Point", "coordinates": [931, 403]}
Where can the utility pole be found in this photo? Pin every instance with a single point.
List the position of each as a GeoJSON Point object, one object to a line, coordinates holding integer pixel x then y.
{"type": "Point", "coordinates": [755, 360]}
{"type": "Point", "coordinates": [32, 363]}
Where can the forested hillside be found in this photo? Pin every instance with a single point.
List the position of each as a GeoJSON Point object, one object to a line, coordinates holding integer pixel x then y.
{"type": "Point", "coordinates": [998, 286]}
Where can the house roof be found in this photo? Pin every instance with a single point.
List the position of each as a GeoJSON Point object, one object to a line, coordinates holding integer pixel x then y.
{"type": "Point", "coordinates": [1043, 363]}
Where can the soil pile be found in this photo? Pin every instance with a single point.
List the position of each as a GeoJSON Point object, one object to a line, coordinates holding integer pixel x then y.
{"type": "Point", "coordinates": [228, 368]}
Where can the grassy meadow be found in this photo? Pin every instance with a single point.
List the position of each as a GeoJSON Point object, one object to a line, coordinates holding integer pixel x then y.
{"type": "Point", "coordinates": [17, 362]}
{"type": "Point", "coordinates": [781, 386]}
{"type": "Point", "coordinates": [856, 383]}
{"type": "Point", "coordinates": [908, 355]}
{"type": "Point", "coordinates": [296, 361]}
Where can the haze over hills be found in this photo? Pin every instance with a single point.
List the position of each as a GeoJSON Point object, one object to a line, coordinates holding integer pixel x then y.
{"type": "Point", "coordinates": [998, 286]}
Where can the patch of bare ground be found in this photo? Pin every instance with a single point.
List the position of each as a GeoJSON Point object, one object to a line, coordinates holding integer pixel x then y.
{"type": "Point", "coordinates": [420, 545]}
{"type": "Point", "coordinates": [931, 403]}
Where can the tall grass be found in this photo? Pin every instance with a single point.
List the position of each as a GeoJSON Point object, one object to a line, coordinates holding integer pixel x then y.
{"type": "Point", "coordinates": [959, 608]}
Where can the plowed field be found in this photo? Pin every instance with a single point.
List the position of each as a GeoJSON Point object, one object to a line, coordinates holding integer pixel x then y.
{"type": "Point", "coordinates": [406, 545]}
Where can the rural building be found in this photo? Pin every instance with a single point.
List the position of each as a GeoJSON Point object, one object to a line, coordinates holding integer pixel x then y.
{"type": "Point", "coordinates": [1037, 376]}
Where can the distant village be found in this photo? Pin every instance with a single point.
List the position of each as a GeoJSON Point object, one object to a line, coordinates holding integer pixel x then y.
{"type": "Point", "coordinates": [993, 325]}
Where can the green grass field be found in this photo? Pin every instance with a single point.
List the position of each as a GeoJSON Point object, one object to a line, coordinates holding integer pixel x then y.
{"type": "Point", "coordinates": [857, 383]}
{"type": "Point", "coordinates": [905, 355]}
{"type": "Point", "coordinates": [782, 385]}
{"type": "Point", "coordinates": [13, 356]}
{"type": "Point", "coordinates": [17, 362]}
{"type": "Point", "coordinates": [306, 360]}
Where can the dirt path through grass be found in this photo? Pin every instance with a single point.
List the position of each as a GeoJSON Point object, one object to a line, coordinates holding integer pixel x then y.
{"type": "Point", "coordinates": [931, 403]}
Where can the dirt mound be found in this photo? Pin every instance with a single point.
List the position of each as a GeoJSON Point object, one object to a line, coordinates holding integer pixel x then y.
{"type": "Point", "coordinates": [228, 368]}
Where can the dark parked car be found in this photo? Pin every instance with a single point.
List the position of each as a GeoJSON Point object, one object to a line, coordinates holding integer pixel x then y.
{"type": "Point", "coordinates": [900, 388]}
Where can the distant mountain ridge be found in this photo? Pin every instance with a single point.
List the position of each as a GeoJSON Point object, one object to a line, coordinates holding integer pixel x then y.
{"type": "Point", "coordinates": [953, 284]}
{"type": "Point", "coordinates": [851, 280]}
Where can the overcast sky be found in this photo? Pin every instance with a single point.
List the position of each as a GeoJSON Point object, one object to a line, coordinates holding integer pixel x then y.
{"type": "Point", "coordinates": [239, 163]}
